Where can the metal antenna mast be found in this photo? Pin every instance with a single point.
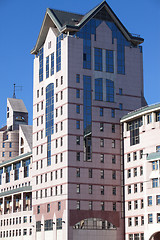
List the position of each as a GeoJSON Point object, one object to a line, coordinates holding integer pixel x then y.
{"type": "Point", "coordinates": [14, 89]}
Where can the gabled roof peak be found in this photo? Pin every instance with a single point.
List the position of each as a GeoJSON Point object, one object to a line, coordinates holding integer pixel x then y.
{"type": "Point", "coordinates": [72, 22]}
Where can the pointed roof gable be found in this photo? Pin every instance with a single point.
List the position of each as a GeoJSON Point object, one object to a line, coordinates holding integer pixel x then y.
{"type": "Point", "coordinates": [72, 22]}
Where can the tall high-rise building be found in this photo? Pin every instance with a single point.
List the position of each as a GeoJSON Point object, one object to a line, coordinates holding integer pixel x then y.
{"type": "Point", "coordinates": [88, 73]}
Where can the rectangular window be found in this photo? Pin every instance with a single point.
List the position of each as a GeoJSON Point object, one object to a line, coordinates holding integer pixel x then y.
{"type": "Point", "coordinates": [150, 218]}
{"type": "Point", "coordinates": [141, 154]}
{"type": "Point", "coordinates": [149, 200]}
{"type": "Point", "coordinates": [47, 67]}
{"type": "Point", "coordinates": [120, 91]}
{"type": "Point", "coordinates": [90, 173]}
{"type": "Point", "coordinates": [113, 143]}
{"type": "Point", "coordinates": [136, 224]}
{"type": "Point", "coordinates": [77, 124]}
{"type": "Point", "coordinates": [141, 170]}
{"type": "Point", "coordinates": [114, 190]}
{"type": "Point", "coordinates": [113, 159]}
{"type": "Point", "coordinates": [77, 93]}
{"type": "Point", "coordinates": [77, 78]}
{"type": "Point", "coordinates": [101, 142]}
{"type": "Point", "coordinates": [135, 188]}
{"type": "Point", "coordinates": [128, 157]}
{"type": "Point", "coordinates": [109, 61]}
{"type": "Point", "coordinates": [113, 113]}
{"type": "Point", "coordinates": [102, 190]}
{"type": "Point", "coordinates": [154, 182]}
{"type": "Point", "coordinates": [101, 127]}
{"type": "Point", "coordinates": [98, 59]}
{"type": "Point", "coordinates": [58, 52]}
{"type": "Point", "coordinates": [59, 206]}
{"type": "Point", "coordinates": [78, 205]}
{"type": "Point", "coordinates": [78, 188]}
{"type": "Point", "coordinates": [101, 111]}
{"type": "Point", "coordinates": [102, 174]}
{"type": "Point", "coordinates": [52, 64]}
{"type": "Point", "coordinates": [41, 65]}
{"type": "Point", "coordinates": [135, 172]}
{"type": "Point", "coordinates": [129, 173]}
{"type": "Point", "coordinates": [158, 199]}
{"type": "Point", "coordinates": [90, 189]}
{"type": "Point", "coordinates": [113, 128]}
{"type": "Point", "coordinates": [135, 156]}
{"type": "Point", "coordinates": [102, 158]}
{"type": "Point", "coordinates": [109, 90]}
{"type": "Point", "coordinates": [78, 140]}
{"type": "Point", "coordinates": [158, 217]}
{"type": "Point", "coordinates": [78, 172]}
{"type": "Point", "coordinates": [114, 175]}
{"type": "Point", "coordinates": [78, 156]}
{"type": "Point", "coordinates": [120, 106]}
{"type": "Point", "coordinates": [154, 165]}
{"type": "Point", "coordinates": [99, 89]}
{"type": "Point", "coordinates": [48, 207]}
{"type": "Point", "coordinates": [77, 108]}
{"type": "Point", "coordinates": [61, 80]}
{"type": "Point", "coordinates": [129, 205]}
{"type": "Point", "coordinates": [38, 209]}
{"type": "Point", "coordinates": [48, 225]}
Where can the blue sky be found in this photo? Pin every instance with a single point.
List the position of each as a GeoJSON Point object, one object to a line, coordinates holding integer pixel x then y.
{"type": "Point", "coordinates": [20, 23]}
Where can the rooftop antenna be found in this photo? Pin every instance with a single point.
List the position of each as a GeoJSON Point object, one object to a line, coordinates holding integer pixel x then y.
{"type": "Point", "coordinates": [14, 89]}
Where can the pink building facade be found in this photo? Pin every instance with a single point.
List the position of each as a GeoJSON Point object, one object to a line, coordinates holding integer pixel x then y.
{"type": "Point", "coordinates": [88, 73]}
{"type": "Point", "coordinates": [141, 142]}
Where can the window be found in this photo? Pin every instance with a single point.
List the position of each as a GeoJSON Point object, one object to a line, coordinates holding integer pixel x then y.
{"type": "Point", "coordinates": [41, 65]}
{"type": "Point", "coordinates": [90, 189]}
{"type": "Point", "coordinates": [47, 67]}
{"type": "Point", "coordinates": [78, 109]}
{"type": "Point", "coordinates": [61, 141]}
{"type": "Point", "coordinates": [109, 61]}
{"type": "Point", "coordinates": [101, 111]}
{"type": "Point", "coordinates": [38, 107]}
{"type": "Point", "coordinates": [114, 175]}
{"type": "Point", "coordinates": [128, 157]}
{"type": "Point", "coordinates": [136, 221]}
{"type": "Point", "coordinates": [78, 124]}
{"type": "Point", "coordinates": [114, 190]}
{"type": "Point", "coordinates": [77, 78]}
{"type": "Point", "coordinates": [135, 172]}
{"type": "Point", "coordinates": [10, 145]}
{"type": "Point", "coordinates": [78, 140]}
{"type": "Point", "coordinates": [78, 156]}
{"type": "Point", "coordinates": [129, 205]}
{"type": "Point", "coordinates": [78, 205]}
{"type": "Point", "coordinates": [38, 209]}
{"type": "Point", "coordinates": [24, 232]}
{"type": "Point", "coordinates": [114, 206]}
{"type": "Point", "coordinates": [38, 226]}
{"type": "Point", "coordinates": [158, 217]}
{"type": "Point", "coordinates": [59, 206]}
{"type": "Point", "coordinates": [101, 142]}
{"type": "Point", "coordinates": [113, 143]}
{"type": "Point", "coordinates": [141, 187]}
{"type": "Point", "coordinates": [158, 148]}
{"type": "Point", "coordinates": [48, 207]}
{"type": "Point", "coordinates": [102, 206]}
{"type": "Point", "coordinates": [135, 156]}
{"type": "Point", "coordinates": [52, 64]}
{"type": "Point", "coordinates": [24, 219]}
{"type": "Point", "coordinates": [61, 157]}
{"type": "Point", "coordinates": [102, 190]}
{"type": "Point", "coordinates": [78, 172]}
{"type": "Point", "coordinates": [158, 199]}
{"type": "Point", "coordinates": [78, 188]}
{"type": "Point", "coordinates": [101, 127]}
{"type": "Point", "coordinates": [150, 218]}
{"type": "Point", "coordinates": [113, 113]}
{"type": "Point", "coordinates": [102, 158]}
{"type": "Point", "coordinates": [61, 80]}
{"type": "Point", "coordinates": [48, 225]}
{"type": "Point", "coordinates": [113, 128]}
{"type": "Point", "coordinates": [61, 95]}
{"type": "Point", "coordinates": [98, 59]}
{"type": "Point", "coordinates": [61, 110]}
{"type": "Point", "coordinates": [141, 154]}
{"type": "Point", "coordinates": [154, 182]}
{"type": "Point", "coordinates": [102, 174]}
{"type": "Point", "coordinates": [120, 106]}
{"type": "Point", "coordinates": [45, 192]}
{"type": "Point", "coordinates": [10, 154]}
{"type": "Point", "coordinates": [141, 170]}
{"type": "Point", "coordinates": [109, 90]}
{"type": "Point", "coordinates": [120, 91]}
{"type": "Point", "coordinates": [90, 173]}
{"type": "Point", "coordinates": [154, 165]}
{"type": "Point", "coordinates": [133, 127]}
{"type": "Point", "coordinates": [129, 173]}
{"type": "Point", "coordinates": [99, 89]}
{"type": "Point", "coordinates": [77, 93]}
{"type": "Point", "coordinates": [149, 200]}
{"type": "Point", "coordinates": [135, 188]}
{"type": "Point", "coordinates": [129, 222]}
{"type": "Point", "coordinates": [142, 221]}
{"type": "Point", "coordinates": [90, 205]}
{"type": "Point", "coordinates": [113, 159]}
{"type": "Point", "coordinates": [149, 118]}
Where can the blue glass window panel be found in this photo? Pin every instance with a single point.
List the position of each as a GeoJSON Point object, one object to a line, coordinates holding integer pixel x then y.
{"type": "Point", "coordinates": [90, 28]}
{"type": "Point", "coordinates": [113, 113]}
{"type": "Point", "coordinates": [101, 111]}
{"type": "Point", "coordinates": [77, 93]}
{"type": "Point", "coordinates": [41, 65]}
{"type": "Point", "coordinates": [109, 61]}
{"type": "Point", "coordinates": [47, 67]}
{"type": "Point", "coordinates": [98, 59]}
{"type": "Point", "coordinates": [49, 109]}
{"type": "Point", "coordinates": [87, 101]}
{"type": "Point", "coordinates": [109, 90]}
{"type": "Point", "coordinates": [77, 108]}
{"type": "Point", "coordinates": [99, 89]}
{"type": "Point", "coordinates": [52, 64]}
{"type": "Point", "coordinates": [58, 52]}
